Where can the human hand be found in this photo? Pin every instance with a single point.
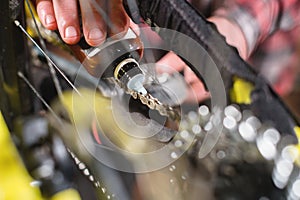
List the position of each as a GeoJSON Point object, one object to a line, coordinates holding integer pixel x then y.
{"type": "Point", "coordinates": [171, 63]}
{"type": "Point", "coordinates": [100, 18]}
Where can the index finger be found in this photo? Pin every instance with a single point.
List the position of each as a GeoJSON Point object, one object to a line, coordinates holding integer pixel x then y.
{"type": "Point", "coordinates": [46, 14]}
{"type": "Point", "coordinates": [66, 13]}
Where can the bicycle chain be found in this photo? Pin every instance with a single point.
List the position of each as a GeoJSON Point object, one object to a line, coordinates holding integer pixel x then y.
{"type": "Point", "coordinates": [154, 104]}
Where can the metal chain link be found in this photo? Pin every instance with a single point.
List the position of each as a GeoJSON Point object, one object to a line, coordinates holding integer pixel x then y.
{"type": "Point", "coordinates": [154, 104]}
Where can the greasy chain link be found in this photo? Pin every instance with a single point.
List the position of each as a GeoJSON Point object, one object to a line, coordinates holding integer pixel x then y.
{"type": "Point", "coordinates": [155, 104]}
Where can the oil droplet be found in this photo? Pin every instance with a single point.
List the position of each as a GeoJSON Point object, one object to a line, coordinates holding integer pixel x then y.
{"type": "Point", "coordinates": [203, 110]}
{"type": "Point", "coordinates": [76, 161]}
{"type": "Point", "coordinates": [91, 178]}
{"type": "Point", "coordinates": [174, 155]}
{"type": "Point", "coordinates": [208, 126]}
{"type": "Point", "coordinates": [184, 124]}
{"type": "Point", "coordinates": [296, 189]}
{"type": "Point", "coordinates": [97, 184]}
{"type": "Point", "coordinates": [178, 143]}
{"type": "Point", "coordinates": [71, 153]}
{"type": "Point", "coordinates": [193, 116]}
{"type": "Point", "coordinates": [196, 129]}
{"type": "Point", "coordinates": [184, 134]}
{"type": "Point", "coordinates": [172, 168]}
{"type": "Point", "coordinates": [232, 111]}
{"type": "Point", "coordinates": [35, 183]}
{"type": "Point", "coordinates": [86, 172]}
{"type": "Point", "coordinates": [81, 166]}
{"type": "Point", "coordinates": [172, 181]}
{"type": "Point", "coordinates": [221, 154]}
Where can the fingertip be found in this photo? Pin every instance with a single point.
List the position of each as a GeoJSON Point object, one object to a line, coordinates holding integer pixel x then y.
{"type": "Point", "coordinates": [95, 37]}
{"type": "Point", "coordinates": [71, 35]}
{"type": "Point", "coordinates": [66, 14]}
{"type": "Point", "coordinates": [46, 14]}
{"type": "Point", "coordinates": [50, 22]}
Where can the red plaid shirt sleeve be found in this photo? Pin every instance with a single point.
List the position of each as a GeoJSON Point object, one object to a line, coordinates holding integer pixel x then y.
{"type": "Point", "coordinates": [272, 32]}
{"type": "Point", "coordinates": [258, 19]}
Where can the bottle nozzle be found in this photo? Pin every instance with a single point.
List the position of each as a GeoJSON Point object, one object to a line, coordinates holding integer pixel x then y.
{"type": "Point", "coordinates": [130, 74]}
{"type": "Point", "coordinates": [136, 84]}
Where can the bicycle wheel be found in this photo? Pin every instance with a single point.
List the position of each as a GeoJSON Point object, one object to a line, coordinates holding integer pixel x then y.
{"type": "Point", "coordinates": [205, 153]}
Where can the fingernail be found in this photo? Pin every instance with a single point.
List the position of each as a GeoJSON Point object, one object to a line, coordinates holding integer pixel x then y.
{"type": "Point", "coordinates": [49, 19]}
{"type": "Point", "coordinates": [95, 34]}
{"type": "Point", "coordinates": [70, 32]}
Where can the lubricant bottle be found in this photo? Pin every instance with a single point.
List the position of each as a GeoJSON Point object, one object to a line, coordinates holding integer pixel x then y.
{"type": "Point", "coordinates": [118, 58]}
